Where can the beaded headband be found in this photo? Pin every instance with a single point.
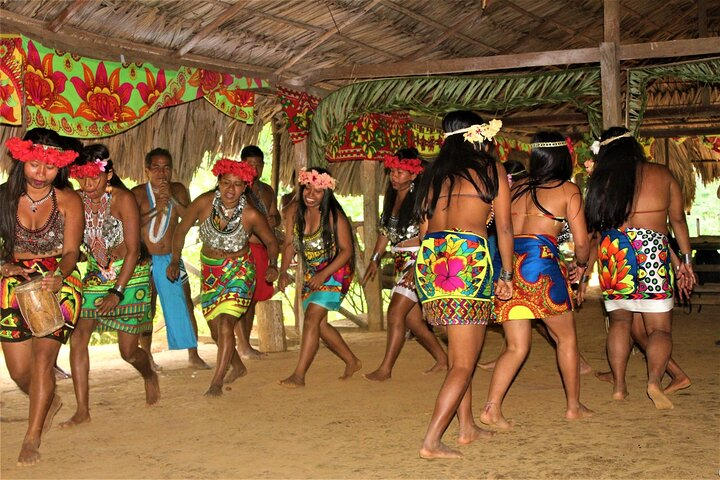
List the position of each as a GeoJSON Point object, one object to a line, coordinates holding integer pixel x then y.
{"type": "Point", "coordinates": [27, 151]}
{"type": "Point", "coordinates": [315, 179]}
{"type": "Point", "coordinates": [565, 143]}
{"type": "Point", "coordinates": [595, 147]}
{"type": "Point", "coordinates": [243, 170]}
{"type": "Point", "coordinates": [479, 133]}
{"type": "Point", "coordinates": [412, 165]}
{"type": "Point", "coordinates": [91, 170]}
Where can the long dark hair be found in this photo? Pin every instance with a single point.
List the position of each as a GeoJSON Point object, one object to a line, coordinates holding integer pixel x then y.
{"type": "Point", "coordinates": [98, 151]}
{"type": "Point", "coordinates": [15, 187]}
{"type": "Point", "coordinates": [549, 167]}
{"type": "Point", "coordinates": [612, 186]}
{"type": "Point", "coordinates": [329, 206]}
{"type": "Point", "coordinates": [457, 159]}
{"type": "Point", "coordinates": [406, 215]}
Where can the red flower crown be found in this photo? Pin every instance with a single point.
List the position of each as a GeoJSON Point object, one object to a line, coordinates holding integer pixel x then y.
{"type": "Point", "coordinates": [412, 165]}
{"type": "Point", "coordinates": [243, 170]}
{"type": "Point", "coordinates": [27, 151]}
{"type": "Point", "coordinates": [89, 170]}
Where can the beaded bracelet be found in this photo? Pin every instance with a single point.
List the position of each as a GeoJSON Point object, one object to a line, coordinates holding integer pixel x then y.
{"type": "Point", "coordinates": [584, 279]}
{"type": "Point", "coordinates": [505, 275]}
{"type": "Point", "coordinates": [117, 293]}
{"type": "Point", "coordinates": [375, 257]}
{"type": "Point", "coordinates": [582, 264]}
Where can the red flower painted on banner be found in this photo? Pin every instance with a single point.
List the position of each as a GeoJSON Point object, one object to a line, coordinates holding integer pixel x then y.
{"type": "Point", "coordinates": [6, 99]}
{"type": "Point", "coordinates": [104, 99]}
{"type": "Point", "coordinates": [206, 81]}
{"type": "Point", "coordinates": [43, 86]}
{"type": "Point", "coordinates": [151, 91]}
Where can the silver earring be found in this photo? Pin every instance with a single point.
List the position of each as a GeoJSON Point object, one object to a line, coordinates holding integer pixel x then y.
{"type": "Point", "coordinates": [412, 186]}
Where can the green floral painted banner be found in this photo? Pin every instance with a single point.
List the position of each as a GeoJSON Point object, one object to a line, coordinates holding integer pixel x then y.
{"type": "Point", "coordinates": [83, 97]}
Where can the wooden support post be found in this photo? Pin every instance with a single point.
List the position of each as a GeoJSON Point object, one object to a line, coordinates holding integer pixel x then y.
{"type": "Point", "coordinates": [300, 154]}
{"type": "Point", "coordinates": [373, 295]}
{"type": "Point", "coordinates": [270, 326]}
{"type": "Point", "coordinates": [275, 173]}
{"type": "Point", "coordinates": [610, 66]}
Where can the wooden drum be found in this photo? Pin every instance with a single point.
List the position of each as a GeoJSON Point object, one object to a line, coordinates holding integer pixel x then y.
{"type": "Point", "coordinates": [40, 308]}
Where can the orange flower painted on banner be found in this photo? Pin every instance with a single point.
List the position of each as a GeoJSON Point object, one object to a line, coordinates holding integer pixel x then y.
{"type": "Point", "coordinates": [7, 92]}
{"type": "Point", "coordinates": [615, 277]}
{"type": "Point", "coordinates": [151, 91]}
{"type": "Point", "coordinates": [104, 99]}
{"type": "Point", "coordinates": [43, 86]}
{"type": "Point", "coordinates": [206, 81]}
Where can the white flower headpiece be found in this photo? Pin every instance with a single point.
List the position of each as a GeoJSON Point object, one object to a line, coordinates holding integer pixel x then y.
{"type": "Point", "coordinates": [479, 133]}
{"type": "Point", "coordinates": [595, 147]}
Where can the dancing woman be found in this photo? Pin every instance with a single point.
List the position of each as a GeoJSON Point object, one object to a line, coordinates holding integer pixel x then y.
{"type": "Point", "coordinates": [454, 274]}
{"type": "Point", "coordinates": [541, 204]}
{"type": "Point", "coordinates": [321, 235]}
{"type": "Point", "coordinates": [116, 287]}
{"type": "Point", "coordinates": [399, 227]}
{"type": "Point", "coordinates": [227, 221]}
{"type": "Point", "coordinates": [629, 203]}
{"type": "Point", "coordinates": [41, 231]}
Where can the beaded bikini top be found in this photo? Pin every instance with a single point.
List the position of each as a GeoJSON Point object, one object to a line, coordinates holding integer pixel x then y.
{"type": "Point", "coordinates": [47, 238]}
{"type": "Point", "coordinates": [395, 235]}
{"type": "Point", "coordinates": [233, 237]}
{"type": "Point", "coordinates": [103, 231]}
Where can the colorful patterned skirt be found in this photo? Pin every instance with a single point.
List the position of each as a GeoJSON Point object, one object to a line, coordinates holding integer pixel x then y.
{"type": "Point", "coordinates": [228, 285]}
{"type": "Point", "coordinates": [132, 315]}
{"type": "Point", "coordinates": [453, 276]}
{"type": "Point", "coordinates": [13, 327]}
{"type": "Point", "coordinates": [405, 271]}
{"type": "Point", "coordinates": [635, 270]}
{"type": "Point", "coordinates": [540, 285]}
{"type": "Point", "coordinates": [332, 292]}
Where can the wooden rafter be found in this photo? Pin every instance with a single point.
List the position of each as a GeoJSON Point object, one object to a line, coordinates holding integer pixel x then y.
{"type": "Point", "coordinates": [67, 12]}
{"type": "Point", "coordinates": [212, 26]}
{"type": "Point", "coordinates": [367, 47]}
{"type": "Point", "coordinates": [449, 32]}
{"type": "Point", "coordinates": [325, 36]}
{"type": "Point", "coordinates": [428, 21]}
{"type": "Point", "coordinates": [550, 21]}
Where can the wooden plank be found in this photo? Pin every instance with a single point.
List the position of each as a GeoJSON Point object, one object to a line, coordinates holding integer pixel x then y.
{"type": "Point", "coordinates": [371, 198]}
{"type": "Point", "coordinates": [610, 79]}
{"type": "Point", "coordinates": [328, 34]}
{"type": "Point", "coordinates": [65, 15]}
{"type": "Point", "coordinates": [611, 23]}
{"type": "Point", "coordinates": [679, 132]}
{"type": "Point", "coordinates": [670, 48]}
{"type": "Point", "coordinates": [211, 27]}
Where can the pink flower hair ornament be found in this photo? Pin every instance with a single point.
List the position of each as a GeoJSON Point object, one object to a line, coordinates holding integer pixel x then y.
{"type": "Point", "coordinates": [412, 165]}
{"type": "Point", "coordinates": [243, 170]}
{"type": "Point", "coordinates": [89, 170]}
{"type": "Point", "coordinates": [316, 179]}
{"type": "Point", "coordinates": [27, 151]}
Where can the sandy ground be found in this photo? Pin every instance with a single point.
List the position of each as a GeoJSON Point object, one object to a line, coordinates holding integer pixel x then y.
{"type": "Point", "coordinates": [359, 429]}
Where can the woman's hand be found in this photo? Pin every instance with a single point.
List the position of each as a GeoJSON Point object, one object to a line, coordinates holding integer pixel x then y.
{"type": "Point", "coordinates": [504, 290]}
{"type": "Point", "coordinates": [108, 304]}
{"type": "Point", "coordinates": [685, 279]}
{"type": "Point", "coordinates": [284, 280]}
{"type": "Point", "coordinates": [12, 270]}
{"type": "Point", "coordinates": [173, 271]}
{"type": "Point", "coordinates": [317, 280]}
{"type": "Point", "coordinates": [52, 282]}
{"type": "Point", "coordinates": [272, 274]}
{"type": "Point", "coordinates": [370, 273]}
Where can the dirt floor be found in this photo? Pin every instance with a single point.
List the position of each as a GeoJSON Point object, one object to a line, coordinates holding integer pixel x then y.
{"type": "Point", "coordinates": [359, 429]}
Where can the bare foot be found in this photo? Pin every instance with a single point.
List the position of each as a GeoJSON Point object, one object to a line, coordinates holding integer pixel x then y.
{"type": "Point", "coordinates": [29, 454]}
{"type": "Point", "coordinates": [620, 395]}
{"type": "Point", "coordinates": [578, 413]}
{"type": "Point", "coordinates": [155, 367]}
{"type": "Point", "coordinates": [656, 394]}
{"type": "Point", "coordinates": [235, 373]}
{"type": "Point", "coordinates": [152, 389]}
{"type": "Point", "coordinates": [76, 419]}
{"type": "Point", "coordinates": [437, 368]}
{"type": "Point", "coordinates": [679, 383]}
{"type": "Point", "coordinates": [61, 374]}
{"type": "Point", "coordinates": [214, 391]}
{"type": "Point", "coordinates": [377, 376]}
{"type": "Point", "coordinates": [351, 368]}
{"type": "Point", "coordinates": [439, 451]}
{"type": "Point", "coordinates": [604, 376]}
{"type": "Point", "coordinates": [252, 354]}
{"type": "Point", "coordinates": [488, 367]}
{"type": "Point", "coordinates": [468, 436]}
{"type": "Point", "coordinates": [196, 362]}
{"type": "Point", "coordinates": [493, 417]}
{"type": "Point", "coordinates": [293, 381]}
{"type": "Point", "coordinates": [585, 367]}
{"type": "Point", "coordinates": [54, 408]}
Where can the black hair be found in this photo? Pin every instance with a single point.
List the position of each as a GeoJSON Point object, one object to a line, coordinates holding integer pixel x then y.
{"type": "Point", "coordinates": [407, 215]}
{"type": "Point", "coordinates": [515, 168]}
{"type": "Point", "coordinates": [612, 186]}
{"type": "Point", "coordinates": [458, 159]}
{"type": "Point", "coordinates": [549, 167]}
{"type": "Point", "coordinates": [157, 152]}
{"type": "Point", "coordinates": [252, 151]}
{"type": "Point", "coordinates": [15, 187]}
{"type": "Point", "coordinates": [329, 206]}
{"type": "Point", "coordinates": [98, 151]}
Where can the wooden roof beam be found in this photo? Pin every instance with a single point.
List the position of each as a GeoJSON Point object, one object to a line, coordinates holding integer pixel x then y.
{"type": "Point", "coordinates": [211, 27]}
{"type": "Point", "coordinates": [67, 12]}
{"type": "Point", "coordinates": [449, 32]}
{"type": "Point", "coordinates": [679, 131]}
{"type": "Point", "coordinates": [328, 34]}
{"type": "Point", "coordinates": [428, 21]}
{"type": "Point", "coordinates": [550, 21]}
